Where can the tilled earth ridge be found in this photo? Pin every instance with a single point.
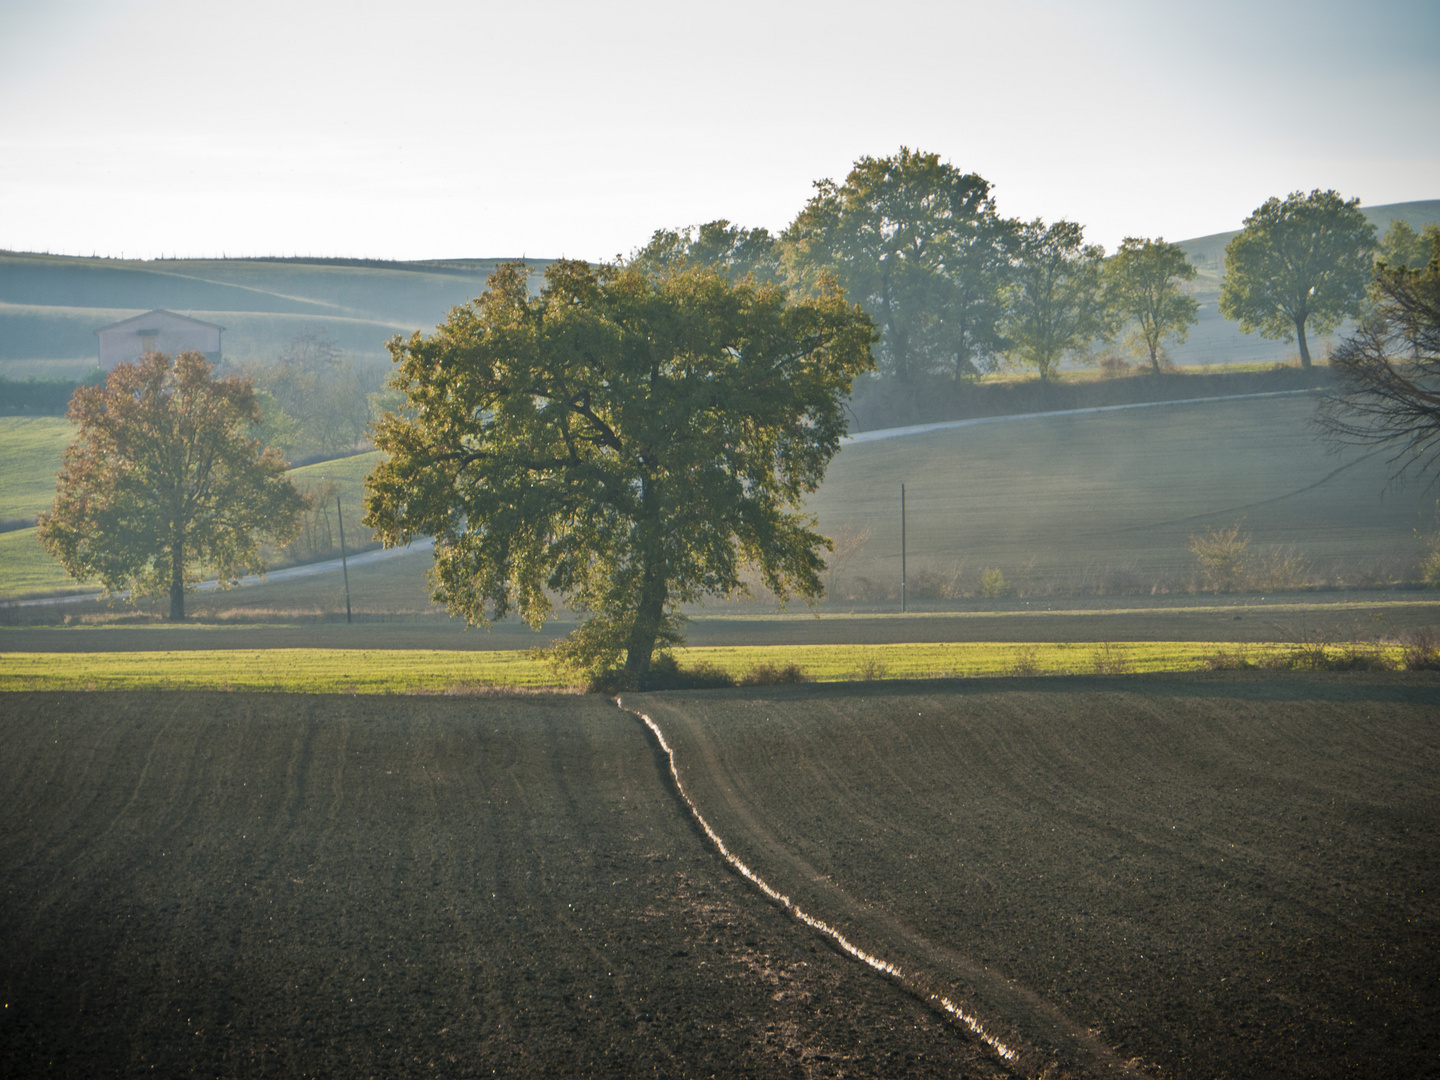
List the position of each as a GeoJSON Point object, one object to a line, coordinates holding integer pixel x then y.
{"type": "Point", "coordinates": [1208, 876]}
{"type": "Point", "coordinates": [285, 885]}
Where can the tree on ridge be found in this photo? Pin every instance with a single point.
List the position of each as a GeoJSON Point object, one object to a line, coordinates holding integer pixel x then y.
{"type": "Point", "coordinates": [1301, 262]}
{"type": "Point", "coordinates": [1054, 304]}
{"type": "Point", "coordinates": [918, 245]}
{"type": "Point", "coordinates": [1142, 284]}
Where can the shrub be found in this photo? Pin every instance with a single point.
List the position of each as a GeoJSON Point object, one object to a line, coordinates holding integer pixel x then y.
{"type": "Point", "coordinates": [1429, 567]}
{"type": "Point", "coordinates": [665, 674]}
{"type": "Point", "coordinates": [1282, 568]}
{"type": "Point", "coordinates": [1422, 649]}
{"type": "Point", "coordinates": [1027, 662]}
{"type": "Point", "coordinates": [1221, 554]}
{"type": "Point", "coordinates": [1109, 660]}
{"type": "Point", "coordinates": [1224, 659]}
{"type": "Point", "coordinates": [1352, 656]}
{"type": "Point", "coordinates": [871, 668]}
{"type": "Point", "coordinates": [928, 584]}
{"type": "Point", "coordinates": [865, 590]}
{"type": "Point", "coordinates": [993, 584]}
{"type": "Point", "coordinates": [763, 674]}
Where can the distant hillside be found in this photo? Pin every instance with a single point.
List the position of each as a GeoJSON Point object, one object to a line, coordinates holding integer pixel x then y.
{"type": "Point", "coordinates": [51, 305]}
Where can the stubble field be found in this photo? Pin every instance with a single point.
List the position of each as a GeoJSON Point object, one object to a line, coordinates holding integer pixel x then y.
{"type": "Point", "coordinates": [1185, 876]}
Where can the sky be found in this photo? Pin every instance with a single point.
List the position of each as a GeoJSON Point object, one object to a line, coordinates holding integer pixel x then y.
{"type": "Point", "coordinates": [449, 129]}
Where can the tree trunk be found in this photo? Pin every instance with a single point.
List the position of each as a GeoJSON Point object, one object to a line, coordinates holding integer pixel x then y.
{"type": "Point", "coordinates": [646, 628]}
{"type": "Point", "coordinates": [654, 589]}
{"type": "Point", "coordinates": [177, 581]}
{"type": "Point", "coordinates": [1304, 347]}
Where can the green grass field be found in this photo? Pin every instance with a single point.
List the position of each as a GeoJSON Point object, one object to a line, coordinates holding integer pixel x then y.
{"type": "Point", "coordinates": [30, 452]}
{"type": "Point", "coordinates": [395, 671]}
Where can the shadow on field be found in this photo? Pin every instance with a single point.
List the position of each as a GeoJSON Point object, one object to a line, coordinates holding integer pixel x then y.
{"type": "Point", "coordinates": [1420, 687]}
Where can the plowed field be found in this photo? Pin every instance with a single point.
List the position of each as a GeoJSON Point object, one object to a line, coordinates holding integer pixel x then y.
{"type": "Point", "coordinates": [1185, 877]}
{"type": "Point", "coordinates": [267, 885]}
{"type": "Point", "coordinates": [1198, 878]}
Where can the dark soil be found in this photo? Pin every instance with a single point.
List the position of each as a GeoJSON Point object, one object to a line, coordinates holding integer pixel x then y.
{"type": "Point", "coordinates": [267, 885]}
{"type": "Point", "coordinates": [1207, 876]}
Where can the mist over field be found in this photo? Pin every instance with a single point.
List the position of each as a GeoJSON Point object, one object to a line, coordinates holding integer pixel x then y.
{"type": "Point", "coordinates": [50, 306]}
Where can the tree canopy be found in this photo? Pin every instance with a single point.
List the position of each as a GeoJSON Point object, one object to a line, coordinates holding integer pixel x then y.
{"type": "Point", "coordinates": [1054, 303]}
{"type": "Point", "coordinates": [1403, 248]}
{"type": "Point", "coordinates": [1142, 286]}
{"type": "Point", "coordinates": [625, 441]}
{"type": "Point", "coordinates": [163, 481]}
{"type": "Point", "coordinates": [918, 244]}
{"type": "Point", "coordinates": [314, 397]}
{"type": "Point", "coordinates": [1304, 261]}
{"type": "Point", "coordinates": [1387, 390]}
{"type": "Point", "coordinates": [735, 252]}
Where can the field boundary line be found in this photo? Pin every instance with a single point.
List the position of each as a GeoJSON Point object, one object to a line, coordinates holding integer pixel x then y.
{"type": "Point", "coordinates": [884, 967]}
{"type": "Point", "coordinates": [880, 434]}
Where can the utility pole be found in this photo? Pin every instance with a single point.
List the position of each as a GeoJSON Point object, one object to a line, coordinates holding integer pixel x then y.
{"type": "Point", "coordinates": [344, 565]}
{"type": "Point", "coordinates": [902, 549]}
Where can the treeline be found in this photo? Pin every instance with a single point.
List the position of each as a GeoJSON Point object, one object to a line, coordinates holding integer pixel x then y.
{"type": "Point", "coordinates": [955, 289]}
{"type": "Point", "coordinates": [41, 397]}
{"type": "Point", "coordinates": [316, 399]}
{"type": "Point", "coordinates": [882, 403]}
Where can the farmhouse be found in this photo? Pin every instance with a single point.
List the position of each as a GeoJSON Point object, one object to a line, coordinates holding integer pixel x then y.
{"type": "Point", "coordinates": [157, 331]}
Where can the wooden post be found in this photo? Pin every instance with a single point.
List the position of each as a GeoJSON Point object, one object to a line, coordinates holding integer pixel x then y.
{"type": "Point", "coordinates": [344, 566]}
{"type": "Point", "coordinates": [902, 549]}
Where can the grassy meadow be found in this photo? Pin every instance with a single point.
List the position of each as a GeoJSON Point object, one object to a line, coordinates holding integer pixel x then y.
{"type": "Point", "coordinates": [30, 453]}
{"type": "Point", "coordinates": [407, 671]}
{"type": "Point", "coordinates": [1107, 503]}
{"type": "Point", "coordinates": [1099, 504]}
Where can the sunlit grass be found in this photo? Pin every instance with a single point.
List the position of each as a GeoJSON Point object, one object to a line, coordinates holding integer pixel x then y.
{"type": "Point", "coordinates": [332, 671]}
{"type": "Point", "coordinates": [841, 663]}
{"type": "Point", "coordinates": [26, 569]}
{"type": "Point", "coordinates": [319, 671]}
{"type": "Point", "coordinates": [30, 451]}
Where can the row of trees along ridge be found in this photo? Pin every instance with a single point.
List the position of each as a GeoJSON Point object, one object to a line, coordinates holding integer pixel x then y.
{"type": "Point", "coordinates": [954, 287]}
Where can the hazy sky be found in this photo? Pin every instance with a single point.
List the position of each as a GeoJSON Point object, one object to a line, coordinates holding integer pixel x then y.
{"type": "Point", "coordinates": [439, 128]}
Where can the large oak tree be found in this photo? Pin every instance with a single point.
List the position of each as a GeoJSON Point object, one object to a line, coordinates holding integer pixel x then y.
{"type": "Point", "coordinates": [627, 441]}
{"type": "Point", "coordinates": [1300, 263]}
{"type": "Point", "coordinates": [918, 244]}
{"type": "Point", "coordinates": [163, 481]}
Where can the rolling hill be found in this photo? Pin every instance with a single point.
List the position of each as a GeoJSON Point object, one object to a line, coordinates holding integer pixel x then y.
{"type": "Point", "coordinates": [1101, 503]}
{"type": "Point", "coordinates": [51, 305]}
